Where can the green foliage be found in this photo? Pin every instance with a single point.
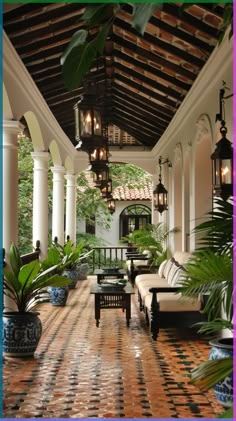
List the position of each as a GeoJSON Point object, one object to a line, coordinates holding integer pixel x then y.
{"type": "Point", "coordinates": [128, 175]}
{"type": "Point", "coordinates": [142, 12]}
{"type": "Point", "coordinates": [80, 54]}
{"type": "Point", "coordinates": [216, 371]}
{"type": "Point", "coordinates": [152, 238]}
{"type": "Point", "coordinates": [24, 283]}
{"type": "Point", "coordinates": [211, 271]}
{"type": "Point", "coordinates": [67, 256]}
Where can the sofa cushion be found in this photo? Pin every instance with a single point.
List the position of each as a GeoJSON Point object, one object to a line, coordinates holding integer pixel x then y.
{"type": "Point", "coordinates": [167, 267]}
{"type": "Point", "coordinates": [181, 256]}
{"type": "Point", "coordinates": [161, 268]}
{"type": "Point", "coordinates": [178, 277]}
{"type": "Point", "coordinates": [172, 302]}
{"type": "Point", "coordinates": [174, 268]}
{"type": "Point", "coordinates": [145, 286]}
{"type": "Point", "coordinates": [146, 277]}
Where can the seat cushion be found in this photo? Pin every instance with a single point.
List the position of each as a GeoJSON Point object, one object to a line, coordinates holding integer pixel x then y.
{"type": "Point", "coordinates": [146, 277]}
{"type": "Point", "coordinates": [144, 286]}
{"type": "Point", "coordinates": [172, 302]}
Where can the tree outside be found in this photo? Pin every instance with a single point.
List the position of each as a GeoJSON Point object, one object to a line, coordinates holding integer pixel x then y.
{"type": "Point", "coordinates": [90, 204]}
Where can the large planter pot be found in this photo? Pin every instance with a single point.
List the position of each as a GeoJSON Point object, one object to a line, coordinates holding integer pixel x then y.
{"type": "Point", "coordinates": [82, 271]}
{"type": "Point", "coordinates": [72, 275]}
{"type": "Point", "coordinates": [222, 348]}
{"type": "Point", "coordinates": [21, 333]}
{"type": "Point", "coordinates": [58, 295]}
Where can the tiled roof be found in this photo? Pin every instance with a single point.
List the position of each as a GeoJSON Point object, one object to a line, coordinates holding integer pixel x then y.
{"type": "Point", "coordinates": [124, 192]}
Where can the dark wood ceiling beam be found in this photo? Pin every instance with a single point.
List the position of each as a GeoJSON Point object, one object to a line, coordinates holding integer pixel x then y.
{"type": "Point", "coordinates": [152, 83]}
{"type": "Point", "coordinates": [161, 100]}
{"type": "Point", "coordinates": [174, 10]}
{"type": "Point", "coordinates": [27, 49]}
{"type": "Point", "coordinates": [142, 102]}
{"type": "Point", "coordinates": [157, 42]}
{"type": "Point", "coordinates": [43, 14]}
{"type": "Point", "coordinates": [144, 140]}
{"type": "Point", "coordinates": [178, 33]}
{"type": "Point", "coordinates": [153, 57]}
{"type": "Point", "coordinates": [138, 112]}
{"type": "Point", "coordinates": [134, 122]}
{"type": "Point", "coordinates": [137, 117]}
{"type": "Point", "coordinates": [150, 69]}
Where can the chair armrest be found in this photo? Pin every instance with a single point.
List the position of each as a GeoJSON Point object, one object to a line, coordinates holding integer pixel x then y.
{"type": "Point", "coordinates": [164, 289]}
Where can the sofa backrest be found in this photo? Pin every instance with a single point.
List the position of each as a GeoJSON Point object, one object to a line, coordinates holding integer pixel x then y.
{"type": "Point", "coordinates": [172, 269]}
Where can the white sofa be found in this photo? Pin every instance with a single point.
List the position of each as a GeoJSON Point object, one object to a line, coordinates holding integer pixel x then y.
{"type": "Point", "coordinates": [159, 299]}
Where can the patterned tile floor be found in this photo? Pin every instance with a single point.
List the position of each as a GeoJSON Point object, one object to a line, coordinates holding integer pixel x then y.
{"type": "Point", "coordinates": [81, 371]}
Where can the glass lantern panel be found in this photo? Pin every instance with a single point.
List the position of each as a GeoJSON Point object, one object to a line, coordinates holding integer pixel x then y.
{"type": "Point", "coordinates": [226, 171]}
{"type": "Point", "coordinates": [97, 123]}
{"type": "Point", "coordinates": [86, 122]}
{"type": "Point", "coordinates": [216, 172]}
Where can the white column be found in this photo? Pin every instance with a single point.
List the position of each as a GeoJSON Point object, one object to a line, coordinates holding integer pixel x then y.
{"type": "Point", "coordinates": [10, 192]}
{"type": "Point", "coordinates": [58, 203]}
{"type": "Point", "coordinates": [71, 187]}
{"type": "Point", "coordinates": [155, 213]}
{"type": "Point", "coordinates": [10, 184]}
{"type": "Point", "coordinates": [40, 201]}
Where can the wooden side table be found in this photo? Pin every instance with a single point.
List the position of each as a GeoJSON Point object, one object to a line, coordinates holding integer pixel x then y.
{"type": "Point", "coordinates": [112, 297]}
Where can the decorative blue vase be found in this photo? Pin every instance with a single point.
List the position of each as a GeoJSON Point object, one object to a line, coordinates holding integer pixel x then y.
{"type": "Point", "coordinates": [72, 275]}
{"type": "Point", "coordinates": [58, 295]}
{"type": "Point", "coordinates": [21, 333]}
{"type": "Point", "coordinates": [222, 348]}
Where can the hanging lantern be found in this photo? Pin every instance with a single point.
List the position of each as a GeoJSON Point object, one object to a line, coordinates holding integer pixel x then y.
{"type": "Point", "coordinates": [160, 193]}
{"type": "Point", "coordinates": [106, 189]}
{"type": "Point", "coordinates": [101, 174]}
{"type": "Point", "coordinates": [98, 154]}
{"type": "Point", "coordinates": [222, 166]}
{"type": "Point", "coordinates": [111, 204]}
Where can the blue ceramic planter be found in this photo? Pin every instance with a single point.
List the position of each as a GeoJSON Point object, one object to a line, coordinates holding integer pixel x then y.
{"type": "Point", "coordinates": [58, 295]}
{"type": "Point", "coordinates": [21, 333]}
{"type": "Point", "coordinates": [222, 348]}
{"type": "Point", "coordinates": [72, 275]}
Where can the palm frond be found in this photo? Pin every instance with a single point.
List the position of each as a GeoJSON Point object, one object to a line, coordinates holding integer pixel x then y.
{"type": "Point", "coordinates": [211, 372]}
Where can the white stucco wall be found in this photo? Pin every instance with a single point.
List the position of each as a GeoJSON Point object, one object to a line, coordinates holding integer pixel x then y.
{"type": "Point", "coordinates": [111, 236]}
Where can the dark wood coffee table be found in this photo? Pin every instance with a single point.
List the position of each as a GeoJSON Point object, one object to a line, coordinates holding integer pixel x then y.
{"type": "Point", "coordinates": [112, 297]}
{"type": "Point", "coordinates": [106, 273]}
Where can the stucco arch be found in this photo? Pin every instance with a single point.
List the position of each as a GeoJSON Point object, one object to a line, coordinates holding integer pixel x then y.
{"type": "Point", "coordinates": [35, 131]}
{"type": "Point", "coordinates": [7, 111]}
{"type": "Point", "coordinates": [69, 166]}
{"type": "Point", "coordinates": [55, 153]}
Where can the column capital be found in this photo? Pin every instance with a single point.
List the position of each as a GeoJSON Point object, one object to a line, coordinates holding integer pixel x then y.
{"type": "Point", "coordinates": [40, 156]}
{"type": "Point", "coordinates": [71, 179]}
{"type": "Point", "coordinates": [12, 125]}
{"type": "Point", "coordinates": [58, 169]}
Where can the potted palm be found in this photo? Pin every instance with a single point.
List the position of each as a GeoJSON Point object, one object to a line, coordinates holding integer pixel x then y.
{"type": "Point", "coordinates": [24, 285]}
{"type": "Point", "coordinates": [71, 257]}
{"type": "Point", "coordinates": [210, 273]}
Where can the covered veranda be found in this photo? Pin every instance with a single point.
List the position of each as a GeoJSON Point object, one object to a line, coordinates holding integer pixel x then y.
{"type": "Point", "coordinates": [79, 370]}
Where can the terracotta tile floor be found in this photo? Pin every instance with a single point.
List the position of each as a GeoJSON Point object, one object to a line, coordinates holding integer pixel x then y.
{"type": "Point", "coordinates": [80, 371]}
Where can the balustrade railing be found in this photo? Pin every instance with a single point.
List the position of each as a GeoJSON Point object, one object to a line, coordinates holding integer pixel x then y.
{"type": "Point", "coordinates": [109, 256]}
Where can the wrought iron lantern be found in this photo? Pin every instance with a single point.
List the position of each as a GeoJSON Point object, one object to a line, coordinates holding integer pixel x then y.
{"type": "Point", "coordinates": [101, 174]}
{"type": "Point", "coordinates": [222, 157]}
{"type": "Point", "coordinates": [222, 166]}
{"type": "Point", "coordinates": [106, 189]}
{"type": "Point", "coordinates": [160, 194]}
{"type": "Point", "coordinates": [111, 204]}
{"type": "Point", "coordinates": [88, 121]}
